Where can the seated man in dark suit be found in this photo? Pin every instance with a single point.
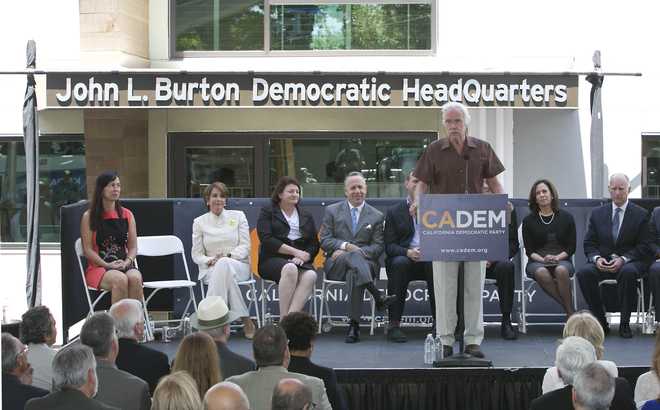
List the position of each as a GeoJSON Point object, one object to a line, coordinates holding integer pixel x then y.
{"type": "Point", "coordinates": [573, 355]}
{"type": "Point", "coordinates": [74, 382]}
{"type": "Point", "coordinates": [593, 388]}
{"type": "Point", "coordinates": [616, 247]}
{"type": "Point", "coordinates": [654, 255]}
{"type": "Point", "coordinates": [139, 360]}
{"type": "Point", "coordinates": [213, 317]}
{"type": "Point", "coordinates": [300, 328]}
{"type": "Point", "coordinates": [402, 260]}
{"type": "Point", "coordinates": [17, 386]}
{"type": "Point", "coordinates": [352, 238]}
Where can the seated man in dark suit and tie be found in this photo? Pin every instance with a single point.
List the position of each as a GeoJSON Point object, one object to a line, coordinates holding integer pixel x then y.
{"type": "Point", "coordinates": [403, 259]}
{"type": "Point", "coordinates": [352, 238]}
{"type": "Point", "coordinates": [616, 247]}
{"type": "Point", "coordinates": [17, 386]}
{"type": "Point", "coordinates": [213, 318]}
{"type": "Point", "coordinates": [139, 360]}
{"type": "Point", "coordinates": [300, 329]}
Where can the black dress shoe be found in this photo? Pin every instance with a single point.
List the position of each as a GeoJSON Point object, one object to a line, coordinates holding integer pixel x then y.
{"type": "Point", "coordinates": [353, 335]}
{"type": "Point", "coordinates": [604, 325]}
{"type": "Point", "coordinates": [383, 302]}
{"type": "Point", "coordinates": [508, 332]}
{"type": "Point", "coordinates": [474, 350]}
{"type": "Point", "coordinates": [447, 351]}
{"type": "Point", "coordinates": [396, 335]}
{"type": "Point", "coordinates": [624, 331]}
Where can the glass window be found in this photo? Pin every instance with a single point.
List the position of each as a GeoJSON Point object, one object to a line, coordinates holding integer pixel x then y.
{"type": "Point", "coordinates": [320, 164]}
{"type": "Point", "coordinates": [233, 166]}
{"type": "Point", "coordinates": [651, 166]}
{"type": "Point", "coordinates": [209, 25]}
{"type": "Point", "coordinates": [351, 27]}
{"type": "Point", "coordinates": [61, 181]}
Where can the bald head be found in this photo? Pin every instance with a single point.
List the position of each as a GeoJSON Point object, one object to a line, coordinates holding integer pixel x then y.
{"type": "Point", "coordinates": [291, 394]}
{"type": "Point", "coordinates": [226, 396]}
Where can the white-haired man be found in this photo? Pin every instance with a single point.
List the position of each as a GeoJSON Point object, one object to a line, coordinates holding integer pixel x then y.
{"type": "Point", "coordinates": [16, 374]}
{"type": "Point", "coordinates": [139, 360]}
{"type": "Point", "coordinates": [458, 164]}
{"type": "Point", "coordinates": [593, 388]}
{"type": "Point", "coordinates": [74, 382]}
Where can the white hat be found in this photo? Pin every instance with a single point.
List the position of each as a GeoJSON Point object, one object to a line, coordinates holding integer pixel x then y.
{"type": "Point", "coordinates": [212, 312]}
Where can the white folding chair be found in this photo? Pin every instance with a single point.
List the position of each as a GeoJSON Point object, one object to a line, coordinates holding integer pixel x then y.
{"type": "Point", "coordinates": [251, 284]}
{"type": "Point", "coordinates": [267, 285]}
{"type": "Point", "coordinates": [163, 246]}
{"type": "Point", "coordinates": [101, 292]}
{"type": "Point", "coordinates": [325, 288]}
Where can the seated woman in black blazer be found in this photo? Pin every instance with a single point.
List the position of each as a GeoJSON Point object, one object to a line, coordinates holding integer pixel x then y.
{"type": "Point", "coordinates": [288, 246]}
{"type": "Point", "coordinates": [549, 238]}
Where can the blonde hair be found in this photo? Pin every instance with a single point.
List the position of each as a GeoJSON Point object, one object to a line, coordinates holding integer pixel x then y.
{"type": "Point", "coordinates": [198, 356]}
{"type": "Point", "coordinates": [176, 391]}
{"type": "Point", "coordinates": [585, 325]}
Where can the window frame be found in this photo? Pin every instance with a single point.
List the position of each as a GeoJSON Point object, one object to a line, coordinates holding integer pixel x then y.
{"type": "Point", "coordinates": [647, 137]}
{"type": "Point", "coordinates": [267, 52]}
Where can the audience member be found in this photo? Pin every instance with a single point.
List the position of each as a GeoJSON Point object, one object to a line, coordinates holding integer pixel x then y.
{"type": "Point", "coordinates": [291, 394]}
{"type": "Point", "coordinates": [574, 354]}
{"type": "Point", "coordinates": [593, 388]}
{"type": "Point", "coordinates": [616, 247]}
{"type": "Point", "coordinates": [648, 384]}
{"type": "Point", "coordinates": [198, 356]}
{"type": "Point", "coordinates": [38, 332]}
{"type": "Point", "coordinates": [272, 355]}
{"type": "Point", "coordinates": [176, 391]}
{"type": "Point", "coordinates": [74, 382]}
{"type": "Point", "coordinates": [213, 318]}
{"type": "Point", "coordinates": [115, 387]}
{"type": "Point", "coordinates": [139, 360]}
{"type": "Point", "coordinates": [221, 249]}
{"type": "Point", "coordinates": [549, 238]}
{"type": "Point", "coordinates": [17, 386]}
{"type": "Point", "coordinates": [585, 325]}
{"type": "Point", "coordinates": [226, 396]}
{"type": "Point", "coordinates": [300, 329]}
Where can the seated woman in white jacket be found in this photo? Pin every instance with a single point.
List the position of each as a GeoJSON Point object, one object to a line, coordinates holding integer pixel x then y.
{"type": "Point", "coordinates": [221, 249]}
{"type": "Point", "coordinates": [648, 384]}
{"type": "Point", "coordinates": [584, 325]}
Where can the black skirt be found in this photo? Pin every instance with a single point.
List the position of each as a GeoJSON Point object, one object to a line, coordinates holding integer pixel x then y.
{"type": "Point", "coordinates": [271, 268]}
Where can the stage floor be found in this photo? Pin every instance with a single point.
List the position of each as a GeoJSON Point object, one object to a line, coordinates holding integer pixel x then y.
{"type": "Point", "coordinates": [535, 349]}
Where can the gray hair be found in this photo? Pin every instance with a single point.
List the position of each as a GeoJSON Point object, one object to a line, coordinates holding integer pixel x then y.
{"type": "Point", "coordinates": [126, 313]}
{"type": "Point", "coordinates": [291, 394]}
{"type": "Point", "coordinates": [10, 351]}
{"type": "Point", "coordinates": [216, 332]}
{"type": "Point", "coordinates": [71, 365]}
{"type": "Point", "coordinates": [594, 387]}
{"type": "Point", "coordinates": [572, 355]}
{"type": "Point", "coordinates": [355, 174]}
{"type": "Point", "coordinates": [619, 175]}
{"type": "Point", "coordinates": [98, 332]}
{"type": "Point", "coordinates": [453, 106]}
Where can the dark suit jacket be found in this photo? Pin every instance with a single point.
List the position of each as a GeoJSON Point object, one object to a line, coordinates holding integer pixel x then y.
{"type": "Point", "coordinates": [654, 233]}
{"type": "Point", "coordinates": [142, 361]}
{"type": "Point", "coordinates": [304, 366]}
{"type": "Point", "coordinates": [633, 238]}
{"type": "Point", "coordinates": [562, 398]}
{"type": "Point", "coordinates": [399, 230]}
{"type": "Point", "coordinates": [67, 399]}
{"type": "Point", "coordinates": [232, 364]}
{"type": "Point", "coordinates": [15, 394]}
{"type": "Point", "coordinates": [273, 229]}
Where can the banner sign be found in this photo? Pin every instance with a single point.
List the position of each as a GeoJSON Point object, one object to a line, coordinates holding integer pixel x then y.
{"type": "Point", "coordinates": [463, 227]}
{"type": "Point", "coordinates": [168, 90]}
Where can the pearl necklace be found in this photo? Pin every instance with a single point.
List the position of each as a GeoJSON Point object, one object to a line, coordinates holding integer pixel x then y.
{"type": "Point", "coordinates": [552, 218]}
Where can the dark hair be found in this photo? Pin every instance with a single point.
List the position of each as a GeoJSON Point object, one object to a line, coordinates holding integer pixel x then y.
{"type": "Point", "coordinates": [96, 206]}
{"type": "Point", "coordinates": [300, 328]}
{"type": "Point", "coordinates": [36, 325]}
{"type": "Point", "coordinates": [533, 206]}
{"type": "Point", "coordinates": [224, 192]}
{"type": "Point", "coordinates": [98, 333]}
{"type": "Point", "coordinates": [281, 184]}
{"type": "Point", "coordinates": [269, 346]}
{"type": "Point", "coordinates": [291, 398]}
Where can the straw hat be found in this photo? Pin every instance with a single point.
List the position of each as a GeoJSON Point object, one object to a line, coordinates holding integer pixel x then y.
{"type": "Point", "coordinates": [212, 312]}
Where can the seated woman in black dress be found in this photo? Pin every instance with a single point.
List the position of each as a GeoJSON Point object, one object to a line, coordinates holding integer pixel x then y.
{"type": "Point", "coordinates": [549, 238]}
{"type": "Point", "coordinates": [288, 246]}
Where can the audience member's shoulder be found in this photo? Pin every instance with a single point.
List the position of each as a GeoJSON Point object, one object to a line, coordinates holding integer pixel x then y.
{"type": "Point", "coordinates": [241, 378]}
{"type": "Point", "coordinates": [310, 380]}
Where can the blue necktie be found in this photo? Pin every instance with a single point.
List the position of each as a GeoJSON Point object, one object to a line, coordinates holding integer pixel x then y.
{"type": "Point", "coordinates": [354, 218]}
{"type": "Point", "coordinates": [615, 224]}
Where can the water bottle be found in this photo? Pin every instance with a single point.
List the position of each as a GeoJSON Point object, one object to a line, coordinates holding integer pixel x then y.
{"type": "Point", "coordinates": [438, 349]}
{"type": "Point", "coordinates": [649, 324]}
{"type": "Point", "coordinates": [187, 326]}
{"type": "Point", "coordinates": [429, 349]}
{"type": "Point", "coordinates": [268, 318]}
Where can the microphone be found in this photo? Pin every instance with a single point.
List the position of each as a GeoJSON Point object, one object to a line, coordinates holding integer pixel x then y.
{"type": "Point", "coordinates": [466, 158]}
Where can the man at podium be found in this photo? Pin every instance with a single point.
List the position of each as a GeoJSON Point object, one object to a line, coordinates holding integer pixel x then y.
{"type": "Point", "coordinates": [458, 164]}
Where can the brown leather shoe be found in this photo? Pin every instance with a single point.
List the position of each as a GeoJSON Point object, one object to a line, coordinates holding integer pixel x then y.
{"type": "Point", "coordinates": [475, 351]}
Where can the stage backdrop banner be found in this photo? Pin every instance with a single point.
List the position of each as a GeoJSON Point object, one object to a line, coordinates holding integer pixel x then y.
{"type": "Point", "coordinates": [463, 227]}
